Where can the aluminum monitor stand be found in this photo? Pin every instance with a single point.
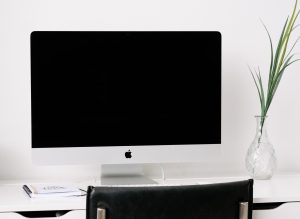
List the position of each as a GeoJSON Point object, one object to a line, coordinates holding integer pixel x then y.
{"type": "Point", "coordinates": [124, 174]}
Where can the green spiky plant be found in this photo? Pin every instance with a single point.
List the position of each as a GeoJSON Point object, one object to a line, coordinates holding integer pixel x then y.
{"type": "Point", "coordinates": [279, 63]}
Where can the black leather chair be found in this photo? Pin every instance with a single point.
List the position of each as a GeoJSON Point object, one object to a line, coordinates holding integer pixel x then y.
{"type": "Point", "coordinates": [231, 200]}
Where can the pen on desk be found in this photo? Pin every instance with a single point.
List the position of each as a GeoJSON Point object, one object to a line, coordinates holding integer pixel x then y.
{"type": "Point", "coordinates": [82, 191]}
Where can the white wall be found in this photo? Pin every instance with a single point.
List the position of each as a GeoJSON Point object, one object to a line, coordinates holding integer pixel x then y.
{"type": "Point", "coordinates": [244, 42]}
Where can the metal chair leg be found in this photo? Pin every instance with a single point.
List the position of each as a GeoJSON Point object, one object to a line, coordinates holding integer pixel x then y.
{"type": "Point", "coordinates": [101, 213]}
{"type": "Point", "coordinates": [244, 210]}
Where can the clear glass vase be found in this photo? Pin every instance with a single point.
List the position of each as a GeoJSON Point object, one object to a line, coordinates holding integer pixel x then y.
{"type": "Point", "coordinates": [260, 159]}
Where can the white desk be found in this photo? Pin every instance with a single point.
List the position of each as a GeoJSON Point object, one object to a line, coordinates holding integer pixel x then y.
{"type": "Point", "coordinates": [282, 194]}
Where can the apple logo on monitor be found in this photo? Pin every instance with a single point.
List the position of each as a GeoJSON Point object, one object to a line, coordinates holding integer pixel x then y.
{"type": "Point", "coordinates": [128, 154]}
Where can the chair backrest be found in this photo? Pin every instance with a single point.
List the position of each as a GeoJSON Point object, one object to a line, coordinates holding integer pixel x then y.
{"type": "Point", "coordinates": [231, 200]}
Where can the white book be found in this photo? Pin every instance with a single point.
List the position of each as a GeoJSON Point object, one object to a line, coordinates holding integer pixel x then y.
{"type": "Point", "coordinates": [38, 191]}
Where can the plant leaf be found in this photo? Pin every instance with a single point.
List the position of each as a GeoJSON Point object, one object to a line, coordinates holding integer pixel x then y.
{"type": "Point", "coordinates": [278, 50]}
{"type": "Point", "coordinates": [297, 40]}
{"type": "Point", "coordinates": [272, 53]}
{"type": "Point", "coordinates": [257, 87]}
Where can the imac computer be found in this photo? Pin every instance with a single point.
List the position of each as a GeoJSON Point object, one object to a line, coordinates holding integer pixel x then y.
{"type": "Point", "coordinates": [125, 97]}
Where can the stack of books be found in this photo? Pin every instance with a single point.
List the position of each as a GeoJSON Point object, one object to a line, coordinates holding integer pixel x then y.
{"type": "Point", "coordinates": [42, 191]}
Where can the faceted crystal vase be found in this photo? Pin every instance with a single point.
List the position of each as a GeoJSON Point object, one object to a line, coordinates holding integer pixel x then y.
{"type": "Point", "coordinates": [260, 159]}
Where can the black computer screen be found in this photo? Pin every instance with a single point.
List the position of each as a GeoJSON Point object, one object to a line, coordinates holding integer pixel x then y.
{"type": "Point", "coordinates": [117, 88]}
